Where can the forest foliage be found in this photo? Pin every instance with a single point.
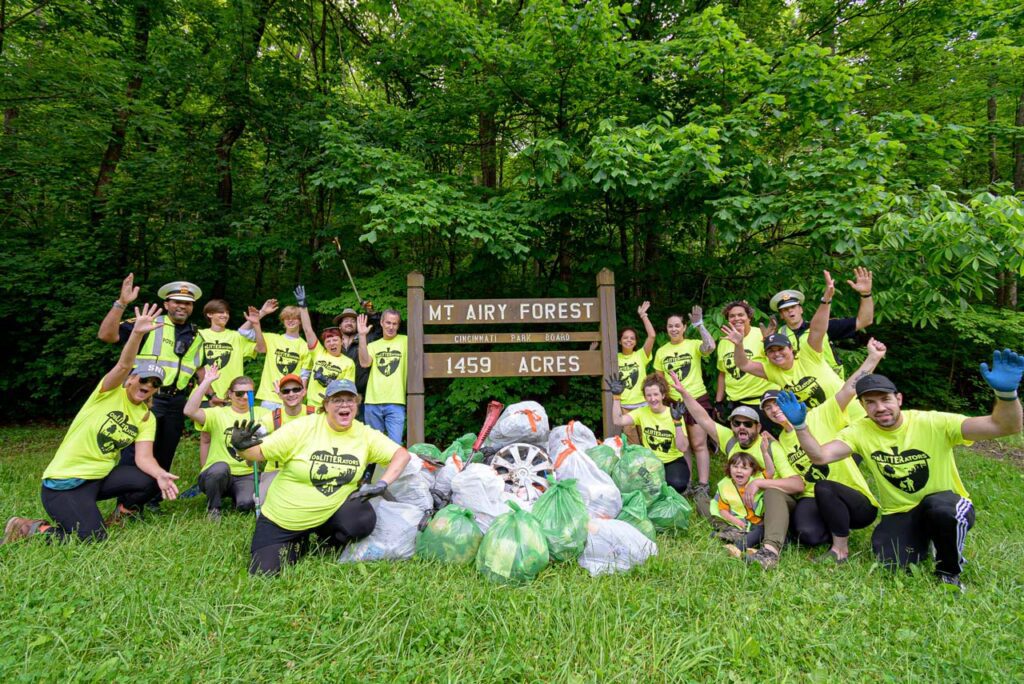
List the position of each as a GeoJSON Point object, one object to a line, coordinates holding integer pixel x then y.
{"type": "Point", "coordinates": [703, 151]}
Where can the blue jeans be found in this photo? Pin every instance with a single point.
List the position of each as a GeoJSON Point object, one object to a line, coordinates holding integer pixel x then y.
{"type": "Point", "coordinates": [388, 418]}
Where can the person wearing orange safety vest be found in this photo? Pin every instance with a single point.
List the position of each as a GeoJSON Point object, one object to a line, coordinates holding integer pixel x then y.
{"type": "Point", "coordinates": [175, 346]}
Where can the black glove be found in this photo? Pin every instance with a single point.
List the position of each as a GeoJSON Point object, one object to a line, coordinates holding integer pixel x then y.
{"type": "Point", "coordinates": [319, 376]}
{"type": "Point", "coordinates": [440, 500]}
{"type": "Point", "coordinates": [243, 435]}
{"type": "Point", "coordinates": [678, 411]}
{"type": "Point", "coordinates": [300, 296]}
{"type": "Point", "coordinates": [615, 384]}
{"type": "Point", "coordinates": [368, 491]}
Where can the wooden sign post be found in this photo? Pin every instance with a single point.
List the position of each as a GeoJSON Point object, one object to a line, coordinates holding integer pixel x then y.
{"type": "Point", "coordinates": [495, 364]}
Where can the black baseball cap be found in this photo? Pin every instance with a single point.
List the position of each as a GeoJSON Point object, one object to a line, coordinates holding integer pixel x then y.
{"type": "Point", "coordinates": [770, 395]}
{"type": "Point", "coordinates": [777, 340]}
{"type": "Point", "coordinates": [874, 383]}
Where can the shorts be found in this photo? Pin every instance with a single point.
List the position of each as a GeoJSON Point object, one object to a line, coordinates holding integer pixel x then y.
{"type": "Point", "coordinates": [705, 402]}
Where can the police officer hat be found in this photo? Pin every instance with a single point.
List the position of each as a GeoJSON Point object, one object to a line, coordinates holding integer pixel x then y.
{"type": "Point", "coordinates": [180, 290]}
{"type": "Point", "coordinates": [786, 298]}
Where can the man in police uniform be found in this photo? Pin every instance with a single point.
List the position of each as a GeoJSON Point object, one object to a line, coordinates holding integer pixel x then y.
{"type": "Point", "coordinates": [175, 346]}
{"type": "Point", "coordinates": [789, 305]}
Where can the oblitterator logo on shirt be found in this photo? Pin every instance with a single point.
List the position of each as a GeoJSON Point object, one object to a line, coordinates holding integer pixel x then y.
{"type": "Point", "coordinates": [217, 353]}
{"type": "Point", "coordinates": [227, 443]}
{"type": "Point", "coordinates": [906, 470]}
{"type": "Point", "coordinates": [629, 374]}
{"type": "Point", "coordinates": [329, 471]}
{"type": "Point", "coordinates": [286, 360]}
{"type": "Point", "coordinates": [679, 364]}
{"type": "Point", "coordinates": [388, 360]}
{"type": "Point", "coordinates": [809, 391]}
{"type": "Point", "coordinates": [329, 370]}
{"type": "Point", "coordinates": [730, 366]}
{"type": "Point", "coordinates": [116, 433]}
{"type": "Point", "coordinates": [811, 472]}
{"type": "Point", "coordinates": [658, 440]}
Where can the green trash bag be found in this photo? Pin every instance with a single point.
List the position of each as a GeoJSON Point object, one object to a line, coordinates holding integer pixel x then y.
{"type": "Point", "coordinates": [451, 537]}
{"type": "Point", "coordinates": [670, 511]}
{"type": "Point", "coordinates": [514, 550]}
{"type": "Point", "coordinates": [634, 511]}
{"type": "Point", "coordinates": [604, 456]}
{"type": "Point", "coordinates": [428, 452]}
{"type": "Point", "coordinates": [639, 470]}
{"type": "Point", "coordinates": [563, 518]}
{"type": "Point", "coordinates": [462, 447]}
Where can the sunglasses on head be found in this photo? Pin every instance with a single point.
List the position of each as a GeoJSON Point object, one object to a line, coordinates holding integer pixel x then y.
{"type": "Point", "coordinates": [743, 423]}
{"type": "Point", "coordinates": [291, 390]}
{"type": "Point", "coordinates": [152, 382]}
{"type": "Point", "coordinates": [240, 393]}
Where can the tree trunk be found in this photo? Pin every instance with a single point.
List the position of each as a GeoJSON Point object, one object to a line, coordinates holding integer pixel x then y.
{"type": "Point", "coordinates": [1018, 145]}
{"type": "Point", "coordinates": [115, 145]}
{"type": "Point", "coordinates": [993, 159]}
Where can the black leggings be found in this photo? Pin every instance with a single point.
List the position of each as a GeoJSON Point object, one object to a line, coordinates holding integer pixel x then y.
{"type": "Point", "coordinates": [74, 511]}
{"type": "Point", "coordinates": [677, 474]}
{"type": "Point", "coordinates": [272, 544]}
{"type": "Point", "coordinates": [843, 508]}
{"type": "Point", "coordinates": [942, 519]}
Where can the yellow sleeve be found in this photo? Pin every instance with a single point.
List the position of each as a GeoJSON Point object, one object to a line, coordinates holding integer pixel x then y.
{"type": "Point", "coordinates": [659, 360]}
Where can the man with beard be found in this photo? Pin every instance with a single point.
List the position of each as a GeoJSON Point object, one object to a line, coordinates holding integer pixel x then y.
{"type": "Point", "coordinates": [910, 455]}
{"type": "Point", "coordinates": [780, 484]}
{"type": "Point", "coordinates": [175, 346]}
{"type": "Point", "coordinates": [789, 305]}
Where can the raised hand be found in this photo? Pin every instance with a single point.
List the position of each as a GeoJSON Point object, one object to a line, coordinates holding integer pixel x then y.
{"type": "Point", "coordinates": [269, 307]}
{"type": "Point", "coordinates": [300, 296]}
{"type": "Point", "coordinates": [876, 349]}
{"type": "Point", "coordinates": [212, 373]}
{"type": "Point", "coordinates": [1006, 371]}
{"type": "Point", "coordinates": [678, 410]}
{"type": "Point", "coordinates": [732, 334]}
{"type": "Point", "coordinates": [363, 324]}
{"type": "Point", "coordinates": [830, 287]}
{"type": "Point", "coordinates": [252, 316]}
{"type": "Point", "coordinates": [861, 282]}
{"type": "Point", "coordinates": [615, 384]}
{"type": "Point", "coordinates": [675, 382]}
{"type": "Point", "coordinates": [696, 315]}
{"type": "Point", "coordinates": [243, 435]}
{"type": "Point", "coordinates": [145, 319]}
{"type": "Point", "coordinates": [794, 409]}
{"type": "Point", "coordinates": [129, 291]}
{"type": "Point", "coordinates": [641, 310]}
{"type": "Point", "coordinates": [771, 328]}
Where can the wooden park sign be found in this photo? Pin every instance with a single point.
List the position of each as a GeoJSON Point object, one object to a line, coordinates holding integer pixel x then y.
{"type": "Point", "coordinates": [423, 364]}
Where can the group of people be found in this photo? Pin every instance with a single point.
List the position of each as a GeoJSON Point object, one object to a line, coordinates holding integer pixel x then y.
{"type": "Point", "coordinates": [792, 429]}
{"type": "Point", "coordinates": [794, 432]}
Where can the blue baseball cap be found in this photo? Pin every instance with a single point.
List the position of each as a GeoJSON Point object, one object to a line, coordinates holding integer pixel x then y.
{"type": "Point", "coordinates": [340, 386]}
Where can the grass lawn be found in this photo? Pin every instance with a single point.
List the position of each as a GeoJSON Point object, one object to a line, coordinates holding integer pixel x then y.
{"type": "Point", "coordinates": [168, 599]}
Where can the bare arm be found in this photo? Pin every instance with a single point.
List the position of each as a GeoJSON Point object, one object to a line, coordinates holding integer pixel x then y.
{"type": "Point", "coordinates": [193, 407]}
{"type": "Point", "coordinates": [307, 327]}
{"type": "Point", "coordinates": [146, 462]}
{"type": "Point", "coordinates": [648, 328]}
{"type": "Point", "coordinates": [620, 419]}
{"type": "Point", "coordinates": [682, 439]}
{"type": "Point", "coordinates": [144, 323]}
{"type": "Point", "coordinates": [700, 416]}
{"type": "Point", "coordinates": [862, 284]}
{"type": "Point", "coordinates": [821, 454]}
{"type": "Point", "coordinates": [819, 324]}
{"type": "Point", "coordinates": [846, 394]}
{"type": "Point", "coordinates": [720, 389]}
{"type": "Point", "coordinates": [111, 322]}
{"type": "Point", "coordinates": [399, 460]}
{"type": "Point", "coordinates": [732, 518]}
{"type": "Point", "coordinates": [1004, 420]}
{"type": "Point", "coordinates": [743, 361]}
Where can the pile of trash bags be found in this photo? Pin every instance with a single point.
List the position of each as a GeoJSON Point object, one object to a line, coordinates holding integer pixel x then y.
{"type": "Point", "coordinates": [602, 506]}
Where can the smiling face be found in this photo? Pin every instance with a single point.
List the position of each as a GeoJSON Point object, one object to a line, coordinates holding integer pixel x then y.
{"type": "Point", "coordinates": [772, 410]}
{"type": "Point", "coordinates": [218, 320]}
{"type": "Point", "coordinates": [655, 399]}
{"type": "Point", "coordinates": [739, 319]}
{"type": "Point", "coordinates": [348, 325]}
{"type": "Point", "coordinates": [238, 396]}
{"type": "Point", "coordinates": [744, 429]}
{"type": "Point", "coordinates": [740, 472]}
{"type": "Point", "coordinates": [389, 325]}
{"type": "Point", "coordinates": [141, 390]}
{"type": "Point", "coordinates": [793, 316]}
{"type": "Point", "coordinates": [292, 393]}
{"type": "Point", "coordinates": [177, 310]}
{"type": "Point", "coordinates": [291, 325]}
{"type": "Point", "coordinates": [341, 410]}
{"type": "Point", "coordinates": [675, 329]}
{"type": "Point", "coordinates": [627, 341]}
{"type": "Point", "coordinates": [780, 355]}
{"type": "Point", "coordinates": [883, 408]}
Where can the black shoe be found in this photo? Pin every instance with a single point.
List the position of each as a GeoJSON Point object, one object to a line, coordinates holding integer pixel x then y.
{"type": "Point", "coordinates": [952, 580]}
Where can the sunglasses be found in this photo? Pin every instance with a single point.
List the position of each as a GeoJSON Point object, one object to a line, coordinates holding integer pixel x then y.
{"type": "Point", "coordinates": [743, 423]}
{"type": "Point", "coordinates": [291, 390]}
{"type": "Point", "coordinates": [151, 382]}
{"type": "Point", "coordinates": [240, 393]}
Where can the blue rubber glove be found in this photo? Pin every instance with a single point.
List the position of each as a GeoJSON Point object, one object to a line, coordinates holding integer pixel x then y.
{"type": "Point", "coordinates": [794, 409]}
{"type": "Point", "coordinates": [300, 296]}
{"type": "Point", "coordinates": [1005, 375]}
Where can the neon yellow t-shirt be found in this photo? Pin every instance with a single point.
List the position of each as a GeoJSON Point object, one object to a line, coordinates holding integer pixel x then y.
{"type": "Point", "coordinates": [824, 422]}
{"type": "Point", "coordinates": [388, 369]}
{"type": "Point", "coordinates": [632, 371]}
{"type": "Point", "coordinates": [740, 385]}
{"type": "Point", "coordinates": [912, 461]}
{"type": "Point", "coordinates": [284, 355]}
{"type": "Point", "coordinates": [320, 467]}
{"type": "Point", "coordinates": [220, 420]}
{"type": "Point", "coordinates": [800, 341]}
{"type": "Point", "coordinates": [106, 423]}
{"type": "Point", "coordinates": [729, 445]}
{"type": "Point", "coordinates": [334, 367]}
{"type": "Point", "coordinates": [228, 349]}
{"type": "Point", "coordinates": [811, 379]}
{"type": "Point", "coordinates": [683, 358]}
{"type": "Point", "coordinates": [657, 432]}
{"type": "Point", "coordinates": [270, 466]}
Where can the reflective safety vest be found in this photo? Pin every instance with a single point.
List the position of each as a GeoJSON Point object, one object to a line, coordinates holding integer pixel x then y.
{"type": "Point", "coordinates": [827, 352]}
{"type": "Point", "coordinates": [159, 346]}
{"type": "Point", "coordinates": [728, 493]}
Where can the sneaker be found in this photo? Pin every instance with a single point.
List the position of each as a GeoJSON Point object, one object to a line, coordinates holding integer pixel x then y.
{"type": "Point", "coordinates": [730, 535]}
{"type": "Point", "coordinates": [829, 556]}
{"type": "Point", "coordinates": [20, 528]}
{"type": "Point", "coordinates": [191, 493]}
{"type": "Point", "coordinates": [763, 557]}
{"type": "Point", "coordinates": [120, 516]}
{"type": "Point", "coordinates": [735, 551]}
{"type": "Point", "coordinates": [213, 515]}
{"type": "Point", "coordinates": [952, 580]}
{"type": "Point", "coordinates": [702, 499]}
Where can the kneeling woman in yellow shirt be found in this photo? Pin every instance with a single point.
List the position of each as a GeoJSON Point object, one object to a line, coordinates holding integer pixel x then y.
{"type": "Point", "coordinates": [321, 459]}
{"type": "Point", "coordinates": [85, 468]}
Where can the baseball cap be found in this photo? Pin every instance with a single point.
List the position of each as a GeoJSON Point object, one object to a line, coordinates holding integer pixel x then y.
{"type": "Point", "coordinates": [291, 377]}
{"type": "Point", "coordinates": [777, 340]}
{"type": "Point", "coordinates": [148, 369]}
{"type": "Point", "coordinates": [745, 412]}
{"type": "Point", "coordinates": [339, 387]}
{"type": "Point", "coordinates": [874, 383]}
{"type": "Point", "coordinates": [345, 313]}
{"type": "Point", "coordinates": [786, 298]}
{"type": "Point", "coordinates": [770, 395]}
{"type": "Point", "coordinates": [180, 290]}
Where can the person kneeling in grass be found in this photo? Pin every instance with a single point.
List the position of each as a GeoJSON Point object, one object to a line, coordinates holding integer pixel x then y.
{"type": "Point", "coordinates": [661, 428]}
{"type": "Point", "coordinates": [292, 394]}
{"type": "Point", "coordinates": [85, 468]}
{"type": "Point", "coordinates": [910, 455]}
{"type": "Point", "coordinates": [321, 460]}
{"type": "Point", "coordinates": [225, 473]}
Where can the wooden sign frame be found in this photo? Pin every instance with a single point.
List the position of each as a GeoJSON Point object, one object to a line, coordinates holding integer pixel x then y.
{"type": "Point", "coordinates": [513, 363]}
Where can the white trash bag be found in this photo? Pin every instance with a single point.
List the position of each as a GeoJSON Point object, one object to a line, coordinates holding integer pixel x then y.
{"type": "Point", "coordinates": [526, 421]}
{"type": "Point", "coordinates": [393, 538]}
{"type": "Point", "coordinates": [601, 496]}
{"type": "Point", "coordinates": [481, 490]}
{"type": "Point", "coordinates": [616, 445]}
{"type": "Point", "coordinates": [413, 485]}
{"type": "Point", "coordinates": [614, 546]}
{"type": "Point", "coordinates": [443, 479]}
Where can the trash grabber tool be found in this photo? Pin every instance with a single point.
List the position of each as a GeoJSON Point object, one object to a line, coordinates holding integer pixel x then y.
{"type": "Point", "coordinates": [255, 464]}
{"type": "Point", "coordinates": [353, 282]}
